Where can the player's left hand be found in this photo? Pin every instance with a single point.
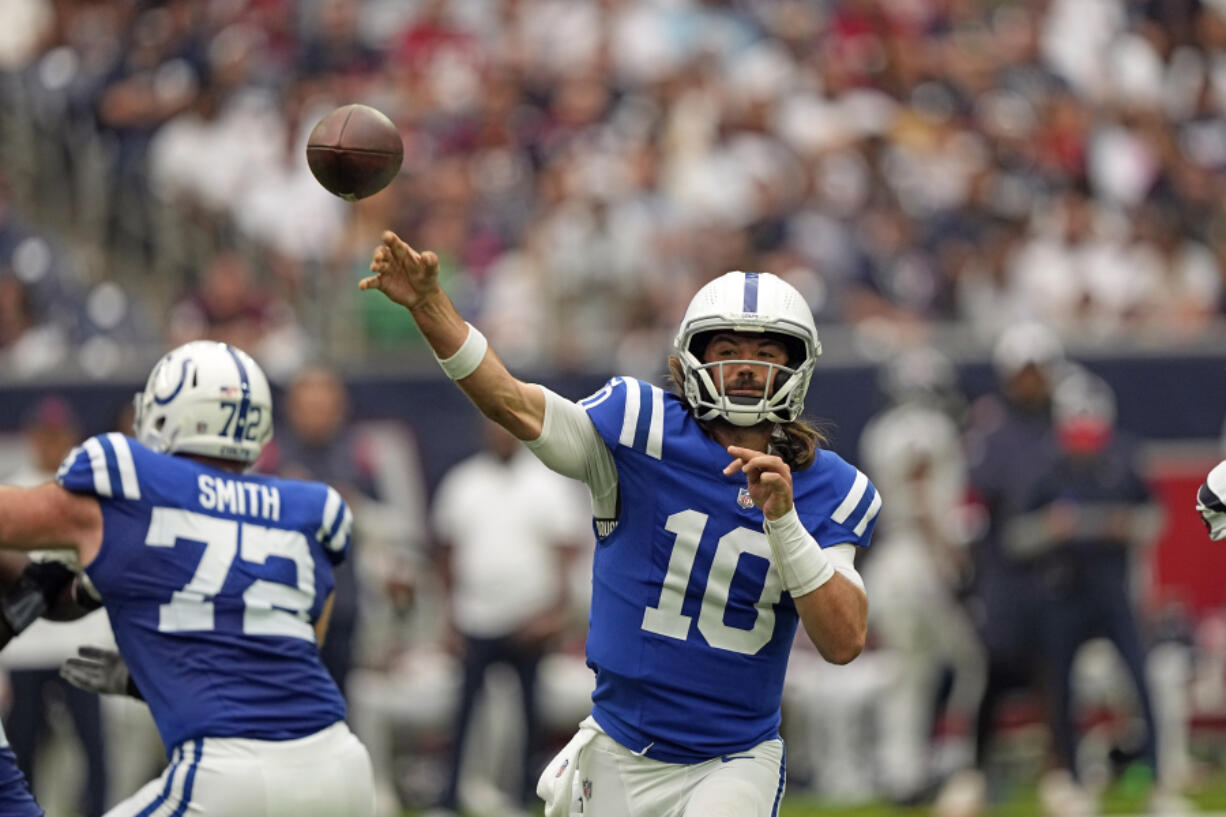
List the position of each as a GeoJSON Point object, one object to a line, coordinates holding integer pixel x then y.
{"type": "Point", "coordinates": [96, 670]}
{"type": "Point", "coordinates": [769, 477]}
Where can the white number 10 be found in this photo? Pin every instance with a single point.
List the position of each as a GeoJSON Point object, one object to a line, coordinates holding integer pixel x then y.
{"type": "Point", "coordinates": [272, 608]}
{"type": "Point", "coordinates": [666, 617]}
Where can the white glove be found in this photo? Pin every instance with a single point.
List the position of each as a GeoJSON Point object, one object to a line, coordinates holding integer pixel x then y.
{"type": "Point", "coordinates": [1211, 502]}
{"type": "Point", "coordinates": [97, 670]}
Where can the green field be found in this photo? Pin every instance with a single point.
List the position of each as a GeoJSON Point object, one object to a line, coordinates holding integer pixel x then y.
{"type": "Point", "coordinates": [1208, 798]}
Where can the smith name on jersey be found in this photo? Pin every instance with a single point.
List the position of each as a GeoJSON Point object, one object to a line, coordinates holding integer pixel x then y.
{"type": "Point", "coordinates": [213, 581]}
{"type": "Point", "coordinates": [690, 628]}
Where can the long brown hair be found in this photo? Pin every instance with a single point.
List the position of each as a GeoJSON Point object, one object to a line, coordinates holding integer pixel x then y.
{"type": "Point", "coordinates": [796, 443]}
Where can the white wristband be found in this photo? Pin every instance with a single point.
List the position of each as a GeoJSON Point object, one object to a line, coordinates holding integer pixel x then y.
{"type": "Point", "coordinates": [468, 357]}
{"type": "Point", "coordinates": [802, 563]}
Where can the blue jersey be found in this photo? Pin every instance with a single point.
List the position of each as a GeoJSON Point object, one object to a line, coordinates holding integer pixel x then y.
{"type": "Point", "coordinates": [690, 629]}
{"type": "Point", "coordinates": [15, 797]}
{"type": "Point", "coordinates": [213, 581]}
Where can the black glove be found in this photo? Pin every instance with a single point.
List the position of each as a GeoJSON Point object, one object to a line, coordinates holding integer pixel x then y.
{"type": "Point", "coordinates": [100, 671]}
{"type": "Point", "coordinates": [38, 587]}
{"type": "Point", "coordinates": [84, 594]}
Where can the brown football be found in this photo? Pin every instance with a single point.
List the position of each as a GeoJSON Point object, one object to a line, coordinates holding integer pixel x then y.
{"type": "Point", "coordinates": [355, 151]}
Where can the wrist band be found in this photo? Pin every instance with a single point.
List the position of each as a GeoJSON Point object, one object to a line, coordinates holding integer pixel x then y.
{"type": "Point", "coordinates": [468, 357]}
{"type": "Point", "coordinates": [802, 563]}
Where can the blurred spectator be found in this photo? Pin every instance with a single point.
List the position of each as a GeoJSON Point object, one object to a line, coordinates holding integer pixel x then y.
{"type": "Point", "coordinates": [1009, 442]}
{"type": "Point", "coordinates": [230, 305]}
{"type": "Point", "coordinates": [1082, 518]}
{"type": "Point", "coordinates": [227, 305]}
{"type": "Point", "coordinates": [913, 453]}
{"type": "Point", "coordinates": [619, 150]}
{"type": "Point", "coordinates": [507, 532]}
{"type": "Point", "coordinates": [50, 431]}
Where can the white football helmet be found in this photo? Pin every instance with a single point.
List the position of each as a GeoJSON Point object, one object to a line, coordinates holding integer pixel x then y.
{"type": "Point", "coordinates": [748, 302]}
{"type": "Point", "coordinates": [205, 398]}
{"type": "Point", "coordinates": [1210, 503]}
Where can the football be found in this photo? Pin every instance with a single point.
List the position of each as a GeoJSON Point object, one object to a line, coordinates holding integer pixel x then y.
{"type": "Point", "coordinates": [355, 151]}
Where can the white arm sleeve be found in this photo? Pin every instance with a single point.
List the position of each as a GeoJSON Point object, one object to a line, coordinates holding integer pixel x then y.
{"type": "Point", "coordinates": [843, 557]}
{"type": "Point", "coordinates": [570, 445]}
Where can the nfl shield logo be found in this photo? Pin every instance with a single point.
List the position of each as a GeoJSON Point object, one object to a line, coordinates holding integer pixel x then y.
{"type": "Point", "coordinates": [587, 789]}
{"type": "Point", "coordinates": [744, 499]}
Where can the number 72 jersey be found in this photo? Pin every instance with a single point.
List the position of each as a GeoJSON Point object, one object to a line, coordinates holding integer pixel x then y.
{"type": "Point", "coordinates": [213, 581]}
{"type": "Point", "coordinates": [690, 628]}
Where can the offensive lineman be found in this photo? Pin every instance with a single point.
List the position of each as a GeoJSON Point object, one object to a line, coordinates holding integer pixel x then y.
{"type": "Point", "coordinates": [719, 525]}
{"type": "Point", "coordinates": [217, 583]}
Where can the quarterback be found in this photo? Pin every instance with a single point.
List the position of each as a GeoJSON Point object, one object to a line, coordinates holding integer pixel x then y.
{"type": "Point", "coordinates": [217, 584]}
{"type": "Point", "coordinates": [720, 527]}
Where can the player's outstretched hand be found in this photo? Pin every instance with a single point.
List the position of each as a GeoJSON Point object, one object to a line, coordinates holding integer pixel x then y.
{"type": "Point", "coordinates": [97, 670]}
{"type": "Point", "coordinates": [402, 273]}
{"type": "Point", "coordinates": [769, 477]}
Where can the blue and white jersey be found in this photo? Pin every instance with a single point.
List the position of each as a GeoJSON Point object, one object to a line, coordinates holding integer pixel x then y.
{"type": "Point", "coordinates": [690, 629]}
{"type": "Point", "coordinates": [213, 581]}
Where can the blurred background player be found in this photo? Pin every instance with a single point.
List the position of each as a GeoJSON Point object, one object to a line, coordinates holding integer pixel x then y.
{"type": "Point", "coordinates": [1009, 443]}
{"type": "Point", "coordinates": [688, 678]}
{"type": "Point", "coordinates": [1211, 502]}
{"type": "Point", "coordinates": [507, 531]}
{"type": "Point", "coordinates": [51, 429]}
{"type": "Point", "coordinates": [1084, 517]}
{"type": "Point", "coordinates": [253, 723]}
{"type": "Point", "coordinates": [913, 452]}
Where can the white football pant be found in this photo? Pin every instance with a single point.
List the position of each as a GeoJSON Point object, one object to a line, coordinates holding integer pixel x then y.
{"type": "Point", "coordinates": [326, 774]}
{"type": "Point", "coordinates": [612, 781]}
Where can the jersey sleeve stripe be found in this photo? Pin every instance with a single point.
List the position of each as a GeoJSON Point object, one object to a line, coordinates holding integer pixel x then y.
{"type": "Point", "coordinates": [97, 461]}
{"type": "Point", "coordinates": [858, 487]}
{"type": "Point", "coordinates": [630, 420]}
{"type": "Point", "coordinates": [340, 537]}
{"type": "Point", "coordinates": [68, 462]}
{"type": "Point", "coordinates": [655, 435]}
{"type": "Point", "coordinates": [332, 508]}
{"type": "Point", "coordinates": [127, 467]}
{"type": "Point", "coordinates": [874, 508]}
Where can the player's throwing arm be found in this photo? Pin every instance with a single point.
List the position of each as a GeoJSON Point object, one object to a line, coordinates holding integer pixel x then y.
{"type": "Point", "coordinates": [410, 279]}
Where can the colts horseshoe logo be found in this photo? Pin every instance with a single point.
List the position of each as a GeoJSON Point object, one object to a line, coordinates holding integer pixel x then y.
{"type": "Point", "coordinates": [161, 401]}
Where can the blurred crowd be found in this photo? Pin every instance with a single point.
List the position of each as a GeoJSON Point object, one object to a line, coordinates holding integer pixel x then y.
{"type": "Point", "coordinates": [579, 163]}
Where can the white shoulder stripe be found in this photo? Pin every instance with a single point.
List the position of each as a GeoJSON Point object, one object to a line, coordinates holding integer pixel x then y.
{"type": "Point", "coordinates": [127, 468]}
{"type": "Point", "coordinates": [655, 434]}
{"type": "Point", "coordinates": [341, 539]}
{"type": "Point", "coordinates": [68, 462]}
{"type": "Point", "coordinates": [858, 487]}
{"type": "Point", "coordinates": [874, 508]}
{"type": "Point", "coordinates": [97, 461]}
{"type": "Point", "coordinates": [332, 507]}
{"type": "Point", "coordinates": [630, 419]}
